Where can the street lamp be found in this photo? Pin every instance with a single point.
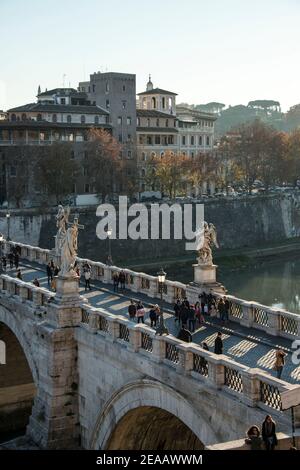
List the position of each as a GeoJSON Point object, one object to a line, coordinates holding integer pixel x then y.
{"type": "Point", "coordinates": [8, 224]}
{"type": "Point", "coordinates": [109, 234]}
{"type": "Point", "coordinates": [161, 329]}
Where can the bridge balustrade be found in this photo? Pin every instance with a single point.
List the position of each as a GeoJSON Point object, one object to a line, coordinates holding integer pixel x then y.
{"type": "Point", "coordinates": [276, 322]}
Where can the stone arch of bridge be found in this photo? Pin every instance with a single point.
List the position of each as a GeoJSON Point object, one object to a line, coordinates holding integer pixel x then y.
{"type": "Point", "coordinates": [14, 322]}
{"type": "Point", "coordinates": [145, 404]}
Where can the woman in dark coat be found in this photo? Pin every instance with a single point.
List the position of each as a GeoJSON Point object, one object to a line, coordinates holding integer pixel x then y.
{"type": "Point", "coordinates": [269, 433]}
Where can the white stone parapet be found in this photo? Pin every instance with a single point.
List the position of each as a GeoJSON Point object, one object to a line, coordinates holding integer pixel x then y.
{"type": "Point", "coordinates": [273, 321]}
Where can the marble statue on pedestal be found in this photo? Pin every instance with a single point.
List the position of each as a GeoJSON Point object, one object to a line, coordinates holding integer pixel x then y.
{"type": "Point", "coordinates": [69, 251]}
{"type": "Point", "coordinates": [62, 219]}
{"type": "Point", "coordinates": [209, 238]}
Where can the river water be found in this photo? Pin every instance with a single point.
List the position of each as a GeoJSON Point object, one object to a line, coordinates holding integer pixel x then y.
{"type": "Point", "coordinates": [272, 283]}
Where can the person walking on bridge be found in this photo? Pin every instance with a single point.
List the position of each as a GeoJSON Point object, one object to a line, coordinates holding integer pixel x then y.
{"type": "Point", "coordinates": [218, 344]}
{"type": "Point", "coordinates": [269, 433]}
{"type": "Point", "coordinates": [49, 272]}
{"type": "Point", "coordinates": [279, 362]}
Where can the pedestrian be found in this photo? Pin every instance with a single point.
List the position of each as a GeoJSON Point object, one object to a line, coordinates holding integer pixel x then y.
{"type": "Point", "coordinates": [221, 310]}
{"type": "Point", "coordinates": [109, 261]}
{"type": "Point", "coordinates": [202, 298]}
{"type": "Point", "coordinates": [56, 270]}
{"type": "Point", "coordinates": [16, 260]}
{"type": "Point", "coordinates": [254, 438]}
{"type": "Point", "coordinates": [153, 314]}
{"type": "Point", "coordinates": [279, 362]}
{"type": "Point", "coordinates": [19, 275]}
{"type": "Point", "coordinates": [198, 313]}
{"type": "Point", "coordinates": [140, 312]}
{"type": "Point", "coordinates": [269, 433]}
{"type": "Point", "coordinates": [52, 265]}
{"type": "Point", "coordinates": [185, 335]}
{"type": "Point", "coordinates": [184, 314]}
{"type": "Point", "coordinates": [226, 309]}
{"type": "Point", "coordinates": [11, 259]}
{"type": "Point", "coordinates": [87, 278]}
{"type": "Point", "coordinates": [205, 346]}
{"type": "Point", "coordinates": [191, 318]}
{"type": "Point", "coordinates": [177, 310]}
{"type": "Point", "coordinates": [53, 283]}
{"type": "Point", "coordinates": [49, 272]}
{"type": "Point", "coordinates": [36, 282]}
{"type": "Point", "coordinates": [4, 263]}
{"type": "Point", "coordinates": [122, 279]}
{"type": "Point", "coordinates": [116, 281]}
{"type": "Point", "coordinates": [131, 310]}
{"type": "Point", "coordinates": [218, 344]}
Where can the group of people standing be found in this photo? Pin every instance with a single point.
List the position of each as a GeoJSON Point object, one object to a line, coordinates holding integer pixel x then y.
{"type": "Point", "coordinates": [13, 258]}
{"type": "Point", "coordinates": [136, 310]}
{"type": "Point", "coordinates": [267, 435]}
{"type": "Point", "coordinates": [119, 278]}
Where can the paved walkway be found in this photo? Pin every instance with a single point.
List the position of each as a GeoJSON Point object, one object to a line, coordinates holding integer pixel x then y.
{"type": "Point", "coordinates": [250, 347]}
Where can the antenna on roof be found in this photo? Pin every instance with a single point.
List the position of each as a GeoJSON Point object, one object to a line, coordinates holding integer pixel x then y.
{"type": "Point", "coordinates": [64, 77]}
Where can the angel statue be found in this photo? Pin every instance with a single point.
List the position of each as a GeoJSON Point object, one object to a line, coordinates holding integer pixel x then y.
{"type": "Point", "coordinates": [62, 218]}
{"type": "Point", "coordinates": [209, 238]}
{"type": "Point", "coordinates": [69, 251]}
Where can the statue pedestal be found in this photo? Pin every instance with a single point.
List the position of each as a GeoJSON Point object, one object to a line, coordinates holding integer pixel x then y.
{"type": "Point", "coordinates": [67, 289]}
{"type": "Point", "coordinates": [204, 281]}
{"type": "Point", "coordinates": [204, 273]}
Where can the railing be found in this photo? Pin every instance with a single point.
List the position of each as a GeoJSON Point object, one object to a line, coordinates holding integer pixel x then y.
{"type": "Point", "coordinates": [254, 387]}
{"type": "Point", "coordinates": [27, 292]}
{"type": "Point", "coordinates": [251, 314]}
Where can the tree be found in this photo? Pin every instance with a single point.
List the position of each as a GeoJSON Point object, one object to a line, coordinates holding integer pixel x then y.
{"type": "Point", "coordinates": [103, 162]}
{"type": "Point", "coordinates": [18, 174]}
{"type": "Point", "coordinates": [168, 173]}
{"type": "Point", "coordinates": [55, 170]}
{"type": "Point", "coordinates": [292, 160]}
{"type": "Point", "coordinates": [202, 168]}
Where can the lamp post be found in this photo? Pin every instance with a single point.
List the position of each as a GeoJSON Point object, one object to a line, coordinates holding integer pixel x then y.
{"type": "Point", "coordinates": [8, 224]}
{"type": "Point", "coordinates": [161, 329]}
{"type": "Point", "coordinates": [109, 234]}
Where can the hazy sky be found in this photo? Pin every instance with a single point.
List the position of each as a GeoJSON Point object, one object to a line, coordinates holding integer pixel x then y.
{"type": "Point", "coordinates": [231, 51]}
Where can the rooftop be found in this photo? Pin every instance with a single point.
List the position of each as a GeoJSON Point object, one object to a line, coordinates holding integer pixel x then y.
{"type": "Point", "coordinates": [59, 108]}
{"type": "Point", "coordinates": [56, 91]}
{"type": "Point", "coordinates": [153, 113]}
{"type": "Point", "coordinates": [157, 91]}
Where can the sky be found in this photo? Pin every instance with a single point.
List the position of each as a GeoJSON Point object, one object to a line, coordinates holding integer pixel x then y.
{"type": "Point", "coordinates": [230, 51]}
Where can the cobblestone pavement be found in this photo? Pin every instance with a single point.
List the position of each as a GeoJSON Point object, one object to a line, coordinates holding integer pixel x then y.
{"type": "Point", "coordinates": [250, 347]}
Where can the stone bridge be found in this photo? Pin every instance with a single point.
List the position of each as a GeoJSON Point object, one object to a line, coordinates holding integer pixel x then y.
{"type": "Point", "coordinates": [82, 374]}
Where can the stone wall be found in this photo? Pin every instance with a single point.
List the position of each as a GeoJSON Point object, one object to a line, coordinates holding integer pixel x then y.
{"type": "Point", "coordinates": [240, 223]}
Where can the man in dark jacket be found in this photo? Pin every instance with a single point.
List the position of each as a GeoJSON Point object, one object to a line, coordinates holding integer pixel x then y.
{"type": "Point", "coordinates": [218, 344]}
{"type": "Point", "coordinates": [185, 335]}
{"type": "Point", "coordinates": [132, 310]}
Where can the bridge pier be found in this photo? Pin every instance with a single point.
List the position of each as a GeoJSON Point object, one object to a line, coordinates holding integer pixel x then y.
{"type": "Point", "coordinates": [54, 423]}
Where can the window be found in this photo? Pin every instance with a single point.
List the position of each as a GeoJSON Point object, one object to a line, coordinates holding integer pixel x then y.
{"type": "Point", "coordinates": [192, 154]}
{"type": "Point", "coordinates": [124, 88]}
{"type": "Point", "coordinates": [107, 104]}
{"type": "Point", "coordinates": [129, 154]}
{"type": "Point", "coordinates": [149, 140]}
{"type": "Point", "coordinates": [39, 117]}
{"type": "Point", "coordinates": [183, 140]}
{"type": "Point", "coordinates": [63, 101]}
{"type": "Point", "coordinates": [167, 122]}
{"type": "Point", "coordinates": [163, 102]}
{"type": "Point", "coordinates": [207, 141]}
{"type": "Point", "coordinates": [119, 121]}
{"type": "Point", "coordinates": [54, 118]}
{"type": "Point", "coordinates": [94, 88]}
{"type": "Point", "coordinates": [72, 155]}
{"type": "Point", "coordinates": [69, 119]}
{"type": "Point", "coordinates": [120, 138]}
{"type": "Point", "coordinates": [138, 121]}
{"type": "Point", "coordinates": [82, 119]}
{"type": "Point", "coordinates": [128, 121]}
{"type": "Point", "coordinates": [13, 117]}
{"type": "Point", "coordinates": [157, 122]}
{"type": "Point", "coordinates": [23, 117]}
{"type": "Point", "coordinates": [148, 122]}
{"type": "Point", "coordinates": [153, 100]}
{"type": "Point", "coordinates": [200, 139]}
{"type": "Point", "coordinates": [96, 119]}
{"type": "Point", "coordinates": [192, 140]}
{"type": "Point", "coordinates": [124, 104]}
{"type": "Point", "coordinates": [107, 87]}
{"type": "Point", "coordinates": [89, 89]}
{"type": "Point", "coordinates": [87, 188]}
{"type": "Point", "coordinates": [144, 156]}
{"type": "Point", "coordinates": [129, 137]}
{"type": "Point", "coordinates": [85, 171]}
{"type": "Point", "coordinates": [157, 139]}
{"type": "Point", "coordinates": [170, 140]}
{"type": "Point", "coordinates": [13, 171]}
